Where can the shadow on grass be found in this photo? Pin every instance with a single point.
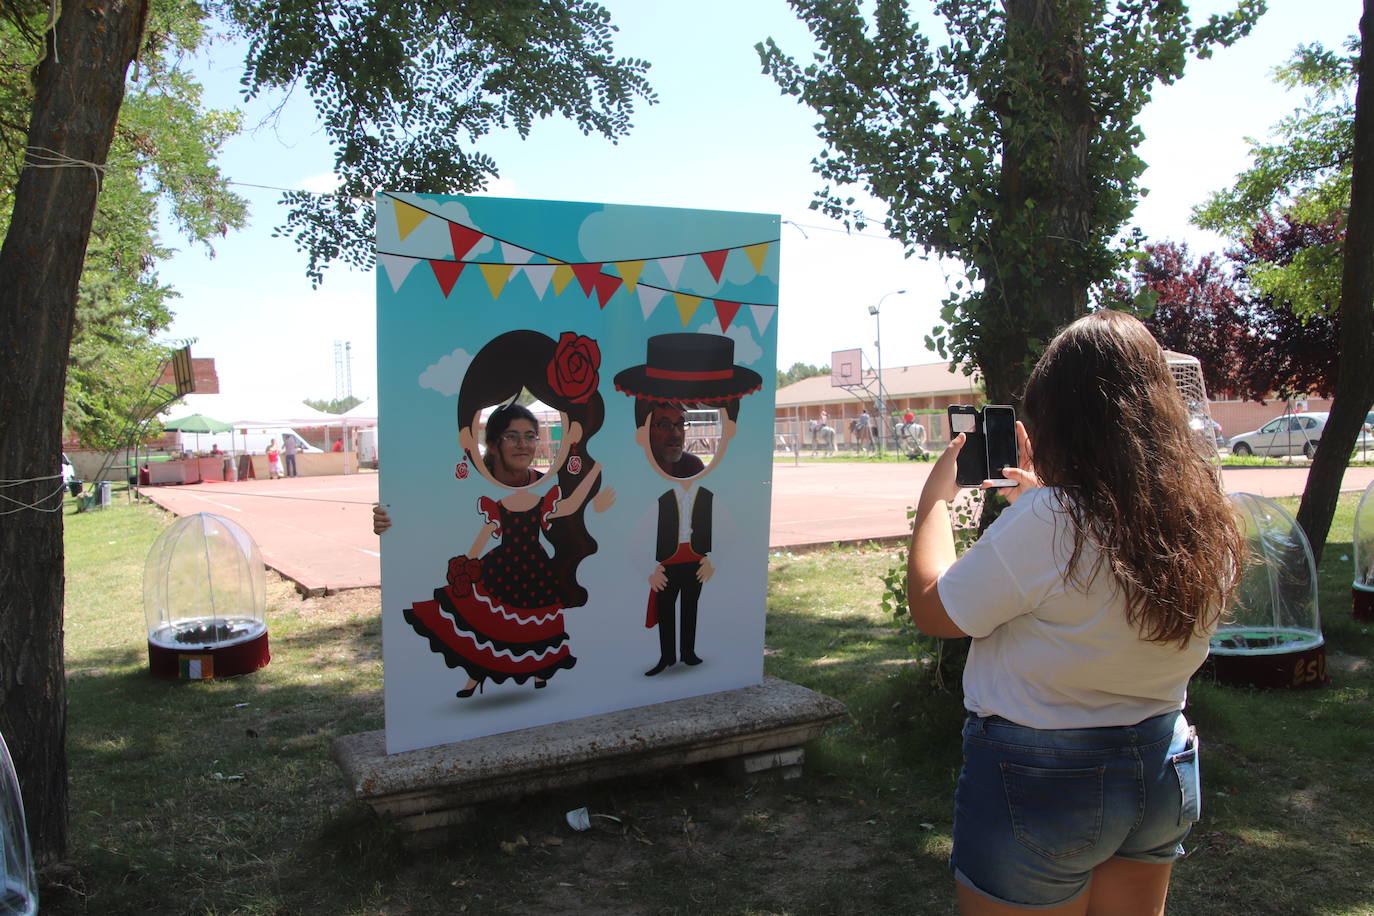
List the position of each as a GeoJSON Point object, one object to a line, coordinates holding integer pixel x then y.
{"type": "Point", "coordinates": [1287, 813]}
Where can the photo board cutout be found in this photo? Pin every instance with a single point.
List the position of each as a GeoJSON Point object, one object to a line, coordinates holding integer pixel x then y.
{"type": "Point", "coordinates": [577, 555]}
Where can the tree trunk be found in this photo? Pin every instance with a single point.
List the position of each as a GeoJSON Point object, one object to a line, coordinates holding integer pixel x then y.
{"type": "Point", "coordinates": [79, 89]}
{"type": "Point", "coordinates": [1044, 164]}
{"type": "Point", "coordinates": [1354, 381]}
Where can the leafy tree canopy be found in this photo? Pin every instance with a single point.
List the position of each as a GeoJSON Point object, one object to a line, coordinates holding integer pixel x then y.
{"type": "Point", "coordinates": [1304, 173]}
{"type": "Point", "coordinates": [799, 371]}
{"type": "Point", "coordinates": [405, 89]}
{"type": "Point", "coordinates": [163, 153]}
{"type": "Point", "coordinates": [338, 405]}
{"type": "Point", "coordinates": [1251, 344]}
{"type": "Point", "coordinates": [1010, 148]}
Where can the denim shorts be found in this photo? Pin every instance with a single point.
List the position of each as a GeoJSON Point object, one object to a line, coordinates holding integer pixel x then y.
{"type": "Point", "coordinates": [1037, 809]}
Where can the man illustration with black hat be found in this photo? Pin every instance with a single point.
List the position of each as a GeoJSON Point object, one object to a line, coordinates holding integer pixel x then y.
{"type": "Point", "coordinates": [682, 372]}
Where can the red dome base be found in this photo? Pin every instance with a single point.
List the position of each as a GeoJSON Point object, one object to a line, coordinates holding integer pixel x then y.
{"type": "Point", "coordinates": [206, 663]}
{"type": "Point", "coordinates": [1293, 670]}
{"type": "Point", "coordinates": [1363, 599]}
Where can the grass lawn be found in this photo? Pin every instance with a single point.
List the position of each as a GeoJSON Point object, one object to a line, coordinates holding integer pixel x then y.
{"type": "Point", "coordinates": [221, 797]}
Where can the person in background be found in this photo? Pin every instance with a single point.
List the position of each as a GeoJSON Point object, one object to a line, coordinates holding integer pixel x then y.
{"type": "Point", "coordinates": [290, 446]}
{"type": "Point", "coordinates": [273, 460]}
{"type": "Point", "coordinates": [215, 451]}
{"type": "Point", "coordinates": [1080, 775]}
{"type": "Point", "coordinates": [338, 445]}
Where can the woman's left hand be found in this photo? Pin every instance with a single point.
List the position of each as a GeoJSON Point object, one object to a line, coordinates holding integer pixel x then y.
{"type": "Point", "coordinates": [940, 484]}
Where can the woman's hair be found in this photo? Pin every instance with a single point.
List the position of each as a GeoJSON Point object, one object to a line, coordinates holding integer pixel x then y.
{"type": "Point", "coordinates": [500, 420]}
{"type": "Point", "coordinates": [522, 359]}
{"type": "Point", "coordinates": [1110, 430]}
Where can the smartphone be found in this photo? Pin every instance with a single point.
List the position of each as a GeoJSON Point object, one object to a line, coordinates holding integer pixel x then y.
{"type": "Point", "coordinates": [990, 443]}
{"type": "Point", "coordinates": [999, 432]}
{"type": "Point", "coordinates": [972, 467]}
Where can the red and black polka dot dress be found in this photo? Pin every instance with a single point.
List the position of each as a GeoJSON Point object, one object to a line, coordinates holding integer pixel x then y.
{"type": "Point", "coordinates": [502, 618]}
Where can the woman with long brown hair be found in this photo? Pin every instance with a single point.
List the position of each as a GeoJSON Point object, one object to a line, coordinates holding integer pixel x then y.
{"type": "Point", "coordinates": [1090, 602]}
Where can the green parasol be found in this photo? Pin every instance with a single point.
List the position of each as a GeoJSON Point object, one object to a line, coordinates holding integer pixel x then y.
{"type": "Point", "coordinates": [197, 423]}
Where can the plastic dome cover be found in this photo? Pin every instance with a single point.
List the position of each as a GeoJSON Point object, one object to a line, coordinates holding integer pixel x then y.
{"type": "Point", "coordinates": [204, 585]}
{"type": "Point", "coordinates": [1275, 608]}
{"type": "Point", "coordinates": [1364, 540]}
{"type": "Point", "coordinates": [18, 884]}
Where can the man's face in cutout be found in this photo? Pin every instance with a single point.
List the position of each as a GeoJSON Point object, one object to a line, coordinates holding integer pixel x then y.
{"type": "Point", "coordinates": [664, 445]}
{"type": "Point", "coordinates": [667, 435]}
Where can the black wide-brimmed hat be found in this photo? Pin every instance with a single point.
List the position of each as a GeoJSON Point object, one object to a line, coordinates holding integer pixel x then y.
{"type": "Point", "coordinates": [688, 367]}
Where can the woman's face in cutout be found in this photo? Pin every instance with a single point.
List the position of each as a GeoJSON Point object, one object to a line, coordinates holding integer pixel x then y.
{"type": "Point", "coordinates": [516, 446]}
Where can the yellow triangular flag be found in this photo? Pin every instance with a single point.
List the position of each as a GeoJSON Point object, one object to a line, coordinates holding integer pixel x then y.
{"type": "Point", "coordinates": [408, 217]}
{"type": "Point", "coordinates": [686, 306]}
{"type": "Point", "coordinates": [562, 275]}
{"type": "Point", "coordinates": [629, 272]}
{"type": "Point", "coordinates": [757, 255]}
{"type": "Point", "coordinates": [496, 276]}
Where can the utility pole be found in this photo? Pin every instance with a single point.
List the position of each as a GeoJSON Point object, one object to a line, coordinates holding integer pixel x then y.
{"type": "Point", "coordinates": [877, 313]}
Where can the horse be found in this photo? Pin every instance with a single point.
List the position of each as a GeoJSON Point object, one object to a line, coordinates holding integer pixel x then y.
{"type": "Point", "coordinates": [822, 436]}
{"type": "Point", "coordinates": [912, 437]}
{"type": "Point", "coordinates": [862, 433]}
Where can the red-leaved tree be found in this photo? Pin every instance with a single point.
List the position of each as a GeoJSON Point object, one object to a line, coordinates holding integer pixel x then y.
{"type": "Point", "coordinates": [1251, 345]}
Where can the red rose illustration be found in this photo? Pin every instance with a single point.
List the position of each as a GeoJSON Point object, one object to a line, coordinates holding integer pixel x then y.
{"type": "Point", "coordinates": [460, 470]}
{"type": "Point", "coordinates": [575, 464]}
{"type": "Point", "coordinates": [573, 370]}
{"type": "Point", "coordinates": [463, 572]}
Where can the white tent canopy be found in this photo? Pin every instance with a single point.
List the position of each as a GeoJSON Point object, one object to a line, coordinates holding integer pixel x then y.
{"type": "Point", "coordinates": [365, 414]}
{"type": "Point", "coordinates": [251, 410]}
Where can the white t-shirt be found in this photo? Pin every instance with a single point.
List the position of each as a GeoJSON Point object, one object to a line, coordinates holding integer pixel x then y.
{"type": "Point", "coordinates": [1047, 653]}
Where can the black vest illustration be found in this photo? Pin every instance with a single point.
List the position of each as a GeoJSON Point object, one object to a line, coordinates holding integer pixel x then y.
{"type": "Point", "coordinates": [668, 523]}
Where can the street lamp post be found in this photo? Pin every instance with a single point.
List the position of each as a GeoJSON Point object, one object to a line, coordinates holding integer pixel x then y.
{"type": "Point", "coordinates": [876, 312]}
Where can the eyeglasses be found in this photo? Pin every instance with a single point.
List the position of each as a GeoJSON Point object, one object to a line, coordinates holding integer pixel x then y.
{"type": "Point", "coordinates": [517, 438]}
{"type": "Point", "coordinates": [663, 426]}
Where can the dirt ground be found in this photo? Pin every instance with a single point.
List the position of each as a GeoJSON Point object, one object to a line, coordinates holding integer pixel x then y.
{"type": "Point", "coordinates": [693, 840]}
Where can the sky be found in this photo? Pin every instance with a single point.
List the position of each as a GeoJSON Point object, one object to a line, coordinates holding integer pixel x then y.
{"type": "Point", "coordinates": [722, 137]}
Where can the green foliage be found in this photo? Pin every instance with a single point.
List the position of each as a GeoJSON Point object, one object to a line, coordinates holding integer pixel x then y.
{"type": "Point", "coordinates": [163, 154]}
{"type": "Point", "coordinates": [1304, 174]}
{"type": "Point", "coordinates": [338, 405]}
{"type": "Point", "coordinates": [800, 371]}
{"type": "Point", "coordinates": [404, 89]}
{"type": "Point", "coordinates": [1009, 149]}
{"type": "Point", "coordinates": [944, 658]}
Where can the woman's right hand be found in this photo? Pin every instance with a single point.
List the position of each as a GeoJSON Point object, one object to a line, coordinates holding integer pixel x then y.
{"type": "Point", "coordinates": [1024, 472]}
{"type": "Point", "coordinates": [380, 519]}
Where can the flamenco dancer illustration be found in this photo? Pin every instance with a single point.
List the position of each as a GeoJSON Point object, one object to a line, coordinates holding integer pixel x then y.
{"type": "Point", "coordinates": [500, 615]}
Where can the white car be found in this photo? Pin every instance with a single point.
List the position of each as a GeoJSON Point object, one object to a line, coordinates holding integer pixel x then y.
{"type": "Point", "coordinates": [1292, 434]}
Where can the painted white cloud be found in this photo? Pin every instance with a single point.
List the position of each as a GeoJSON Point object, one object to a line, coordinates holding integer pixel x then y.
{"type": "Point", "coordinates": [446, 375]}
{"type": "Point", "coordinates": [747, 350]}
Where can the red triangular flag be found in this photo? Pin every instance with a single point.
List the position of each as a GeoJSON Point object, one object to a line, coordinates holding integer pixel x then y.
{"type": "Point", "coordinates": [715, 262]}
{"type": "Point", "coordinates": [725, 311]}
{"type": "Point", "coordinates": [446, 272]}
{"type": "Point", "coordinates": [587, 276]}
{"type": "Point", "coordinates": [463, 239]}
{"type": "Point", "coordinates": [606, 285]}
